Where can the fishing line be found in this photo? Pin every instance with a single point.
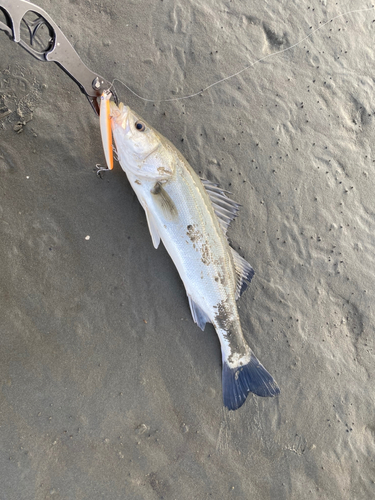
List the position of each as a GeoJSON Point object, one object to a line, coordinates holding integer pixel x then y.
{"type": "Point", "coordinates": [200, 92]}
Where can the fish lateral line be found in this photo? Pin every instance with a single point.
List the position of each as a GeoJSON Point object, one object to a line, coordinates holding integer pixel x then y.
{"type": "Point", "coordinates": [200, 92]}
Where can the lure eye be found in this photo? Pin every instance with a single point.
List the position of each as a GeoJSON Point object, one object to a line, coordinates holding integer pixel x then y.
{"type": "Point", "coordinates": [140, 126]}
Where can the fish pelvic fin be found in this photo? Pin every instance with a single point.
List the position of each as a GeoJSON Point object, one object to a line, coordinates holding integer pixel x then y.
{"type": "Point", "coordinates": [239, 380]}
{"type": "Point", "coordinates": [152, 227]}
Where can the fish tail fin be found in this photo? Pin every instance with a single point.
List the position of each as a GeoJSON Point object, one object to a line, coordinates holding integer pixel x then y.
{"type": "Point", "coordinates": [239, 380]}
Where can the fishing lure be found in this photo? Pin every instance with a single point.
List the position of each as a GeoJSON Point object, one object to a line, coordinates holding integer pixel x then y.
{"type": "Point", "coordinates": [105, 130]}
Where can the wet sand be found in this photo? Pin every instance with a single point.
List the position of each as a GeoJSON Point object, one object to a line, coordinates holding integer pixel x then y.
{"type": "Point", "coordinates": [108, 389]}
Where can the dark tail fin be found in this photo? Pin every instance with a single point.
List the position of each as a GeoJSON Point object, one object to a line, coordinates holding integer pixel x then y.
{"type": "Point", "coordinates": [239, 381]}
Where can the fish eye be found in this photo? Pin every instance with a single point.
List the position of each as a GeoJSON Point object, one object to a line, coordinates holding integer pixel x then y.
{"type": "Point", "coordinates": [140, 126]}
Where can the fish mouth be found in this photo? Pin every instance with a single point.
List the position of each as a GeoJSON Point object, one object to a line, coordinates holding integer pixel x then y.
{"type": "Point", "coordinates": [119, 114]}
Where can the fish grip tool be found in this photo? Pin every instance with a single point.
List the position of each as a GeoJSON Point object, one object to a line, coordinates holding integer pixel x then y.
{"type": "Point", "coordinates": [58, 50]}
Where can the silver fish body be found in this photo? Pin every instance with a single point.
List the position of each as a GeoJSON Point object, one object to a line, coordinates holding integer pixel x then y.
{"type": "Point", "coordinates": [190, 216]}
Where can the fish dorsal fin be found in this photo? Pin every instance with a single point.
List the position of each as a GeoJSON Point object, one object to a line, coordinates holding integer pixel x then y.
{"type": "Point", "coordinates": [225, 208]}
{"type": "Point", "coordinates": [199, 316]}
{"type": "Point", "coordinates": [244, 273]}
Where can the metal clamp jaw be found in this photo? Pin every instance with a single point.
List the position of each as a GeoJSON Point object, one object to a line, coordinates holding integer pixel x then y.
{"type": "Point", "coordinates": [59, 49]}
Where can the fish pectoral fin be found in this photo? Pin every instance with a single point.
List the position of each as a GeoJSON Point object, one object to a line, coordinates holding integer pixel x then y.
{"type": "Point", "coordinates": [199, 316]}
{"type": "Point", "coordinates": [244, 273]}
{"type": "Point", "coordinates": [164, 202]}
{"type": "Point", "coordinates": [152, 228]}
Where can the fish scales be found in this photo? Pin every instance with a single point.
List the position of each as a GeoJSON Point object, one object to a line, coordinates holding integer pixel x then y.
{"type": "Point", "coordinates": [190, 221]}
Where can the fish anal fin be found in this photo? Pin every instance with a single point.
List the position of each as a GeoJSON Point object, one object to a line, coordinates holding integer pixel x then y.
{"type": "Point", "coordinates": [199, 316]}
{"type": "Point", "coordinates": [152, 228]}
{"type": "Point", "coordinates": [244, 273]}
{"type": "Point", "coordinates": [224, 208]}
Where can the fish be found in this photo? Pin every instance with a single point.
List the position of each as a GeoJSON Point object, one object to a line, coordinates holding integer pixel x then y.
{"type": "Point", "coordinates": [191, 216]}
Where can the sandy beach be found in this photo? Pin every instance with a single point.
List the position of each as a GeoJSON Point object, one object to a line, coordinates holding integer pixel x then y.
{"type": "Point", "coordinates": [108, 389]}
